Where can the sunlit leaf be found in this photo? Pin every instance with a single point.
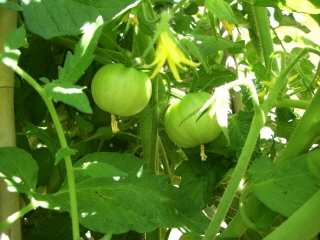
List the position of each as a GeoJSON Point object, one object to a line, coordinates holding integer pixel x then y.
{"type": "Point", "coordinates": [97, 169]}
{"type": "Point", "coordinates": [35, 131]}
{"type": "Point", "coordinates": [221, 9]}
{"type": "Point", "coordinates": [285, 187]}
{"type": "Point", "coordinates": [62, 153]}
{"type": "Point", "coordinates": [69, 94]}
{"type": "Point", "coordinates": [19, 168]}
{"type": "Point", "coordinates": [14, 40]}
{"type": "Point", "coordinates": [140, 202]}
{"type": "Point", "coordinates": [50, 18]}
{"type": "Point", "coordinates": [10, 5]}
{"type": "Point", "coordinates": [200, 178]}
{"type": "Point", "coordinates": [239, 126]}
{"type": "Point", "coordinates": [208, 45]}
{"type": "Point", "coordinates": [75, 64]}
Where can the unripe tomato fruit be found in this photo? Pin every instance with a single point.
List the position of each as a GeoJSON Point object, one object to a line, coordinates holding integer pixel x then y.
{"type": "Point", "coordinates": [121, 90]}
{"type": "Point", "coordinates": [193, 131]}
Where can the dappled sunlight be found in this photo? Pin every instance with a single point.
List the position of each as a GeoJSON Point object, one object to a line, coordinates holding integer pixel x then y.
{"type": "Point", "coordinates": [10, 59]}
{"type": "Point", "coordinates": [127, 8]}
{"type": "Point", "coordinates": [87, 164]}
{"type": "Point", "coordinates": [84, 214]}
{"type": "Point", "coordinates": [46, 204]}
{"type": "Point", "coordinates": [139, 173]}
{"type": "Point", "coordinates": [67, 90]}
{"type": "Point", "coordinates": [116, 178]}
{"type": "Point", "coordinates": [3, 236]}
{"type": "Point", "coordinates": [16, 179]}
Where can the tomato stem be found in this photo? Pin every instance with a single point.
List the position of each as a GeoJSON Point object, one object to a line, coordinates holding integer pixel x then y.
{"type": "Point", "coordinates": [262, 23]}
{"type": "Point", "coordinates": [63, 142]}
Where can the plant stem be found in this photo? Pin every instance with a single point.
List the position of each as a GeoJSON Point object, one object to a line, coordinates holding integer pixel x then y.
{"type": "Point", "coordinates": [226, 200]}
{"type": "Point", "coordinates": [153, 159]}
{"type": "Point", "coordinates": [306, 133]}
{"type": "Point", "coordinates": [303, 224]}
{"type": "Point", "coordinates": [177, 6]}
{"type": "Point", "coordinates": [17, 215]}
{"type": "Point", "coordinates": [63, 142]}
{"type": "Point", "coordinates": [254, 132]}
{"type": "Point", "coordinates": [256, 125]}
{"type": "Point", "coordinates": [237, 226]}
{"type": "Point", "coordinates": [163, 158]}
{"type": "Point", "coordinates": [262, 23]}
{"type": "Point", "coordinates": [291, 103]}
{"type": "Point", "coordinates": [281, 80]}
{"type": "Point", "coordinates": [151, 11]}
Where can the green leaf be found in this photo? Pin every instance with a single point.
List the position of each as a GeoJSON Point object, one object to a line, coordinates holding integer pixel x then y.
{"type": "Point", "coordinates": [285, 187]}
{"type": "Point", "coordinates": [97, 170]}
{"type": "Point", "coordinates": [285, 114]}
{"type": "Point", "coordinates": [62, 153]}
{"type": "Point", "coordinates": [218, 77]}
{"type": "Point", "coordinates": [83, 124]}
{"type": "Point", "coordinates": [183, 23]}
{"type": "Point", "coordinates": [314, 162]}
{"type": "Point", "coordinates": [140, 202]}
{"type": "Point", "coordinates": [19, 168]}
{"type": "Point", "coordinates": [220, 146]}
{"type": "Point", "coordinates": [208, 45]}
{"type": "Point", "coordinates": [51, 18]}
{"type": "Point", "coordinates": [239, 126]}
{"type": "Point", "coordinates": [285, 129]}
{"type": "Point", "coordinates": [260, 71]}
{"type": "Point", "coordinates": [10, 5]}
{"type": "Point", "coordinates": [57, 226]}
{"type": "Point", "coordinates": [76, 64]}
{"type": "Point", "coordinates": [14, 40]}
{"type": "Point", "coordinates": [191, 47]}
{"type": "Point", "coordinates": [69, 94]}
{"type": "Point", "coordinates": [200, 178]}
{"type": "Point", "coordinates": [263, 216]}
{"type": "Point", "coordinates": [32, 130]}
{"type": "Point", "coordinates": [221, 9]}
{"type": "Point", "coordinates": [288, 21]}
{"type": "Point", "coordinates": [41, 58]}
{"type": "Point", "coordinates": [266, 3]}
{"type": "Point", "coordinates": [106, 132]}
{"type": "Point", "coordinates": [44, 159]}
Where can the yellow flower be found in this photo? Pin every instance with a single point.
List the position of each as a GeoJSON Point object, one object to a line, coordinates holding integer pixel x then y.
{"type": "Point", "coordinates": [229, 27]}
{"type": "Point", "coordinates": [168, 50]}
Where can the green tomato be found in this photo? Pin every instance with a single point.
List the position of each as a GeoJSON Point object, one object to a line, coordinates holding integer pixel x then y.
{"type": "Point", "coordinates": [191, 132]}
{"type": "Point", "coordinates": [121, 90]}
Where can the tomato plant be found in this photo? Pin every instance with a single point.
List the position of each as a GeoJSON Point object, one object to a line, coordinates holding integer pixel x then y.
{"type": "Point", "coordinates": [121, 90]}
{"type": "Point", "coordinates": [249, 73]}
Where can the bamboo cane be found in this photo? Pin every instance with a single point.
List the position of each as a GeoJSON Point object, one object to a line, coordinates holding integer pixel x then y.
{"type": "Point", "coordinates": [9, 202]}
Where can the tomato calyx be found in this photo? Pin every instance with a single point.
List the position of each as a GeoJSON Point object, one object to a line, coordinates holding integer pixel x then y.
{"type": "Point", "coordinates": [114, 124]}
{"type": "Point", "coordinates": [202, 154]}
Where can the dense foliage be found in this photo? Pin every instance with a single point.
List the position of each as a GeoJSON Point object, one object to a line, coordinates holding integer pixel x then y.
{"type": "Point", "coordinates": [79, 178]}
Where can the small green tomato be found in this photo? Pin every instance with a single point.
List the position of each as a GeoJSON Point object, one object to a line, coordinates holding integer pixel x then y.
{"type": "Point", "coordinates": [193, 131]}
{"type": "Point", "coordinates": [120, 90]}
